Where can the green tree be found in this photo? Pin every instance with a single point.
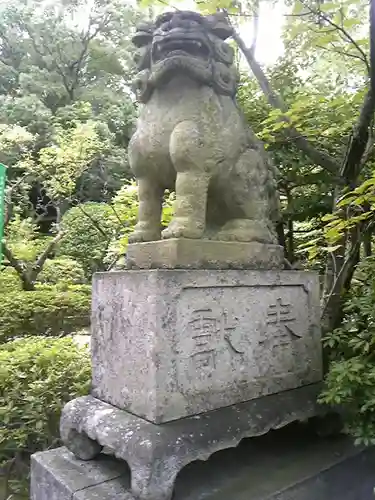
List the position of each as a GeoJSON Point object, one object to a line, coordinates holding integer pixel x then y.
{"type": "Point", "coordinates": [65, 112]}
{"type": "Point", "coordinates": [89, 229]}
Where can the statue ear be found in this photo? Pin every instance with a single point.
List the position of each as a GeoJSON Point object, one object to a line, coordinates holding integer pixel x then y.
{"type": "Point", "coordinates": [219, 26]}
{"type": "Point", "coordinates": [143, 35]}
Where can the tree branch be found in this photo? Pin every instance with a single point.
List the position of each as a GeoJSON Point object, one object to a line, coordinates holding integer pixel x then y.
{"type": "Point", "coordinates": [42, 54]}
{"type": "Point", "coordinates": [358, 141]}
{"type": "Point", "coordinates": [86, 39]}
{"type": "Point", "coordinates": [95, 223]}
{"type": "Point", "coordinates": [342, 31]}
{"type": "Point", "coordinates": [318, 157]}
{"type": "Point", "coordinates": [117, 215]}
{"type": "Point", "coordinates": [18, 265]}
{"type": "Point", "coordinates": [38, 266]}
{"type": "Point", "coordinates": [8, 198]}
{"type": "Point", "coordinates": [341, 52]}
{"type": "Point", "coordinates": [341, 277]}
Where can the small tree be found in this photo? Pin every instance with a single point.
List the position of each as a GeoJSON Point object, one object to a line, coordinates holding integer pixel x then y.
{"type": "Point", "coordinates": [65, 119]}
{"type": "Point", "coordinates": [89, 229]}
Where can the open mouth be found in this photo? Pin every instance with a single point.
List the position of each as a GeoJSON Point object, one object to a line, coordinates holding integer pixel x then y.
{"type": "Point", "coordinates": [172, 47]}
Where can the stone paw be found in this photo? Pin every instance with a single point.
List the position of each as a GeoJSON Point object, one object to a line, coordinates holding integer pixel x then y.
{"type": "Point", "coordinates": [182, 229]}
{"type": "Point", "coordinates": [142, 235]}
{"type": "Point", "coordinates": [245, 230]}
{"type": "Point", "coordinates": [224, 236]}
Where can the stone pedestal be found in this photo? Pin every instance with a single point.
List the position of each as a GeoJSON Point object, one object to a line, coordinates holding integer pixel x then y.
{"type": "Point", "coordinates": [187, 362]}
{"type": "Point", "coordinates": [168, 344]}
{"type": "Point", "coordinates": [182, 253]}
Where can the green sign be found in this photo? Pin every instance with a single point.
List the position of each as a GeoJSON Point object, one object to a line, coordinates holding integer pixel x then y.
{"type": "Point", "coordinates": [3, 173]}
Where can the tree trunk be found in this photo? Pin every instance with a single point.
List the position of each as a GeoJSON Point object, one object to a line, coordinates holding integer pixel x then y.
{"type": "Point", "coordinates": [28, 274]}
{"type": "Point", "coordinates": [27, 286]}
{"type": "Point", "coordinates": [290, 234]}
{"type": "Point", "coordinates": [281, 237]}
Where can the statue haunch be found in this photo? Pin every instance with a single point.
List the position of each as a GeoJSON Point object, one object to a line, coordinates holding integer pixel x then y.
{"type": "Point", "coordinates": [192, 138]}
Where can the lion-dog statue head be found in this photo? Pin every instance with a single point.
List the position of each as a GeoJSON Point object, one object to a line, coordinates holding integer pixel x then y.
{"type": "Point", "coordinates": [187, 42]}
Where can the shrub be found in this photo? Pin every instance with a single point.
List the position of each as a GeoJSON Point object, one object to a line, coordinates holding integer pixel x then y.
{"type": "Point", "coordinates": [63, 270]}
{"type": "Point", "coordinates": [23, 238]}
{"type": "Point", "coordinates": [47, 311]}
{"type": "Point", "coordinates": [37, 377]}
{"type": "Point", "coordinates": [9, 280]}
{"type": "Point", "coordinates": [350, 380]}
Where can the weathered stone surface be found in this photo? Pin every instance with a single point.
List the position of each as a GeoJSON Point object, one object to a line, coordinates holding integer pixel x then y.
{"type": "Point", "coordinates": [289, 464]}
{"type": "Point", "coordinates": [191, 137]}
{"type": "Point", "coordinates": [114, 489]}
{"type": "Point", "coordinates": [58, 475]}
{"type": "Point", "coordinates": [168, 344]}
{"type": "Point", "coordinates": [156, 453]}
{"type": "Point", "coordinates": [182, 253]}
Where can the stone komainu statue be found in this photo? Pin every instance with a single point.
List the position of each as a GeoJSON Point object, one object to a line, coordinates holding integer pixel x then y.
{"type": "Point", "coordinates": [192, 138]}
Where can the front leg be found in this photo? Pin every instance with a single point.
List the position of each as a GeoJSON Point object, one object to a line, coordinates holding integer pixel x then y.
{"type": "Point", "coordinates": [189, 218]}
{"type": "Point", "coordinates": [187, 154]}
{"type": "Point", "coordinates": [150, 197]}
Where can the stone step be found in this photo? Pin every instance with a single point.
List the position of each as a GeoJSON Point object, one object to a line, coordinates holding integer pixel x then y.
{"type": "Point", "coordinates": [284, 465]}
{"type": "Point", "coordinates": [290, 464]}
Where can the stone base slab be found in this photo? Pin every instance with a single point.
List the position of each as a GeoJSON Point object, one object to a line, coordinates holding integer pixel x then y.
{"type": "Point", "coordinates": [288, 464]}
{"type": "Point", "coordinates": [58, 475]}
{"type": "Point", "coordinates": [180, 253]}
{"type": "Point", "coordinates": [157, 453]}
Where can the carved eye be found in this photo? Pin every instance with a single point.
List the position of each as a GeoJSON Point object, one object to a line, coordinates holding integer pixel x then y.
{"type": "Point", "coordinates": [163, 18]}
{"type": "Point", "coordinates": [219, 26]}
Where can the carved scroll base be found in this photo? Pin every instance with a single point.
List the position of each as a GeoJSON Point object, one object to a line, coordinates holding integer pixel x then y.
{"type": "Point", "coordinates": [156, 453]}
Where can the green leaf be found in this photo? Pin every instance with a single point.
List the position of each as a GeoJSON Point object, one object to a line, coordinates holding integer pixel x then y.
{"type": "Point", "coordinates": [298, 8]}
{"type": "Point", "coordinates": [333, 248]}
{"type": "Point", "coordinates": [328, 6]}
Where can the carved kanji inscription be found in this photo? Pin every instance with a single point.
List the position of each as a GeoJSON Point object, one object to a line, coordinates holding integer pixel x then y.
{"type": "Point", "coordinates": [234, 336]}
{"type": "Point", "coordinates": [210, 330]}
{"type": "Point", "coordinates": [281, 322]}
